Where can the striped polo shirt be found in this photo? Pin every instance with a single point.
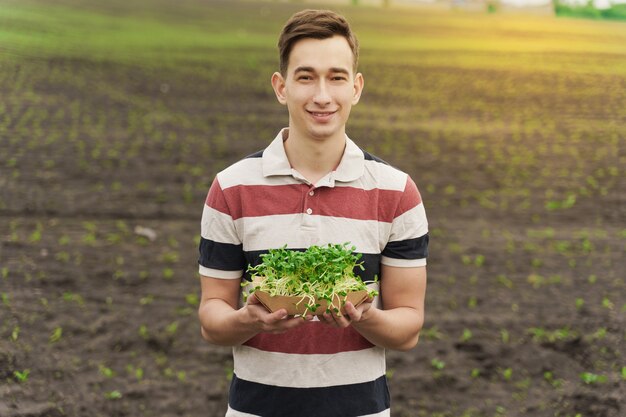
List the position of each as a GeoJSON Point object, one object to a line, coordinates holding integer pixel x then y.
{"type": "Point", "coordinates": [260, 203]}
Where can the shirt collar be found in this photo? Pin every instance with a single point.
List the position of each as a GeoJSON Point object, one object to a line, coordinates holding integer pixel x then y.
{"type": "Point", "coordinates": [275, 160]}
{"type": "Point", "coordinates": [350, 168]}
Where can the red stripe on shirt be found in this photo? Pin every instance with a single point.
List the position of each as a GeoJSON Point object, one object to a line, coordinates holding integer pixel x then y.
{"type": "Point", "coordinates": [311, 338]}
{"type": "Point", "coordinates": [215, 199]}
{"type": "Point", "coordinates": [347, 202]}
{"type": "Point", "coordinates": [410, 198]}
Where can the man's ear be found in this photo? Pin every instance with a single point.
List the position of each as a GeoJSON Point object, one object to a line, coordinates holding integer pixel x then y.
{"type": "Point", "coordinates": [359, 83]}
{"type": "Point", "coordinates": [278, 84]}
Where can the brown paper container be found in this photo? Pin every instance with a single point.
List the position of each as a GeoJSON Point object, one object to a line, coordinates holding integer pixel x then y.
{"type": "Point", "coordinates": [296, 305]}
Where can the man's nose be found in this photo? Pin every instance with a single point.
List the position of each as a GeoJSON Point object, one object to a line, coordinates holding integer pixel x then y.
{"type": "Point", "coordinates": [322, 95]}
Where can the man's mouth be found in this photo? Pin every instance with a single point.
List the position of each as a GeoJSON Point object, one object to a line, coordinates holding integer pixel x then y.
{"type": "Point", "coordinates": [320, 114]}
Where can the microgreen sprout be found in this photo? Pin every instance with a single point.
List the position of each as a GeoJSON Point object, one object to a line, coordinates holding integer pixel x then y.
{"type": "Point", "coordinates": [319, 273]}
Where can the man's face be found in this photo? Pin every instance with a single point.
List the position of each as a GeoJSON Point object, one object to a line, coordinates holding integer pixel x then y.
{"type": "Point", "coordinates": [319, 88]}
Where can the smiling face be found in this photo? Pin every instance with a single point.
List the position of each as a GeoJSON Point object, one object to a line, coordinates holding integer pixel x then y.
{"type": "Point", "coordinates": [319, 88]}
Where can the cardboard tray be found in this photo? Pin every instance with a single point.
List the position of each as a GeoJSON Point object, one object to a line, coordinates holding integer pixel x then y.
{"type": "Point", "coordinates": [296, 305]}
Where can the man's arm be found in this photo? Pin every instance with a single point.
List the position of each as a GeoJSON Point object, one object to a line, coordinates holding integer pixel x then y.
{"type": "Point", "coordinates": [222, 323]}
{"type": "Point", "coordinates": [397, 325]}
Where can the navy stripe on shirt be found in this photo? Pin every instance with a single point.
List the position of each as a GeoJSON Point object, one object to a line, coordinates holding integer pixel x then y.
{"type": "Point", "coordinates": [416, 248]}
{"type": "Point", "coordinates": [222, 256]}
{"type": "Point", "coordinates": [334, 401]}
{"type": "Point", "coordinates": [230, 257]}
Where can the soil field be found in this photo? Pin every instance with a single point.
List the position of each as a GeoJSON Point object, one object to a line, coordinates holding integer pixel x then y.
{"type": "Point", "coordinates": [116, 115]}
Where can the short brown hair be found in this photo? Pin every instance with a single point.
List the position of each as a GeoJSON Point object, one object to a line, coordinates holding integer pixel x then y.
{"type": "Point", "coordinates": [317, 24]}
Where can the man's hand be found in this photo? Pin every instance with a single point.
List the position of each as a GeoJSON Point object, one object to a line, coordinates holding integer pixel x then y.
{"type": "Point", "coordinates": [223, 323]}
{"type": "Point", "coordinates": [397, 322]}
{"type": "Point", "coordinates": [277, 322]}
{"type": "Point", "coordinates": [352, 314]}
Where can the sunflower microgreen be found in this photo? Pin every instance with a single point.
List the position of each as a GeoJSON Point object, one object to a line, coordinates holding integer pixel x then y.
{"type": "Point", "coordinates": [319, 273]}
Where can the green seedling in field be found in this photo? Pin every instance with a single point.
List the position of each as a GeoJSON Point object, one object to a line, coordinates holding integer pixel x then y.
{"type": "Point", "coordinates": [542, 335]}
{"type": "Point", "coordinates": [548, 376]}
{"type": "Point", "coordinates": [192, 299]}
{"type": "Point", "coordinates": [504, 280]}
{"type": "Point", "coordinates": [137, 372]}
{"type": "Point", "coordinates": [35, 237]}
{"type": "Point", "coordinates": [170, 257]}
{"type": "Point", "coordinates": [590, 378]}
{"type": "Point", "coordinates": [319, 273]}
{"type": "Point", "coordinates": [5, 299]}
{"type": "Point", "coordinates": [143, 332]}
{"type": "Point", "coordinates": [168, 273]}
{"type": "Point", "coordinates": [538, 281]}
{"type": "Point", "coordinates": [106, 371]}
{"type": "Point", "coordinates": [56, 335]}
{"type": "Point", "coordinates": [90, 237]}
{"type": "Point", "coordinates": [172, 328]}
{"type": "Point", "coordinates": [5, 272]}
{"type": "Point", "coordinates": [148, 299]}
{"type": "Point", "coordinates": [467, 335]}
{"type": "Point", "coordinates": [431, 333]}
{"type": "Point", "coordinates": [437, 364]}
{"type": "Point", "coordinates": [113, 395]}
{"type": "Point", "coordinates": [62, 256]}
{"type": "Point", "coordinates": [477, 260]}
{"type": "Point", "coordinates": [21, 376]}
{"type": "Point", "coordinates": [599, 334]}
{"type": "Point", "coordinates": [524, 384]}
{"type": "Point", "coordinates": [606, 303]}
{"type": "Point", "coordinates": [500, 411]}
{"type": "Point", "coordinates": [507, 374]}
{"type": "Point", "coordinates": [15, 333]}
{"type": "Point", "coordinates": [73, 297]}
{"type": "Point", "coordinates": [114, 238]}
{"type": "Point", "coordinates": [580, 303]}
{"type": "Point", "coordinates": [546, 233]}
{"type": "Point", "coordinates": [569, 202]}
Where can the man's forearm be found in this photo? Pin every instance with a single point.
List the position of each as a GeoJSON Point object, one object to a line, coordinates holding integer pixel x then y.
{"type": "Point", "coordinates": [396, 328]}
{"type": "Point", "coordinates": [223, 325]}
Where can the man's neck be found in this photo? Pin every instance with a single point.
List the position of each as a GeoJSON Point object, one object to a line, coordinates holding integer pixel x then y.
{"type": "Point", "coordinates": [314, 159]}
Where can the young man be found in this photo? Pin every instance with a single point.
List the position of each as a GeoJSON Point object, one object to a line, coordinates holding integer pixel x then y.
{"type": "Point", "coordinates": [313, 186]}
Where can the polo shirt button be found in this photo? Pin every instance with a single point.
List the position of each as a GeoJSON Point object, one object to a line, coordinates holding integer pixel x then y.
{"type": "Point", "coordinates": [311, 193]}
{"type": "Point", "coordinates": [309, 211]}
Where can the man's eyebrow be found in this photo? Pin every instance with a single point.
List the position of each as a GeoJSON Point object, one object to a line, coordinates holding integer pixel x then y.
{"type": "Point", "coordinates": [311, 69]}
{"type": "Point", "coordinates": [303, 69]}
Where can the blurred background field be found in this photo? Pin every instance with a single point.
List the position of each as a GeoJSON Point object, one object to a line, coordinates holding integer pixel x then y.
{"type": "Point", "coordinates": [115, 116]}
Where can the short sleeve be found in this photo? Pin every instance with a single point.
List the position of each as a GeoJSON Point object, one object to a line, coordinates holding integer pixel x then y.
{"type": "Point", "coordinates": [408, 239]}
{"type": "Point", "coordinates": [221, 250]}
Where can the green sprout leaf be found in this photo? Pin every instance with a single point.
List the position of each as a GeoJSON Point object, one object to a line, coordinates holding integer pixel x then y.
{"type": "Point", "coordinates": [590, 378]}
{"type": "Point", "coordinates": [56, 335]}
{"type": "Point", "coordinates": [21, 376]}
{"type": "Point", "coordinates": [437, 364]}
{"type": "Point", "coordinates": [113, 395]}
